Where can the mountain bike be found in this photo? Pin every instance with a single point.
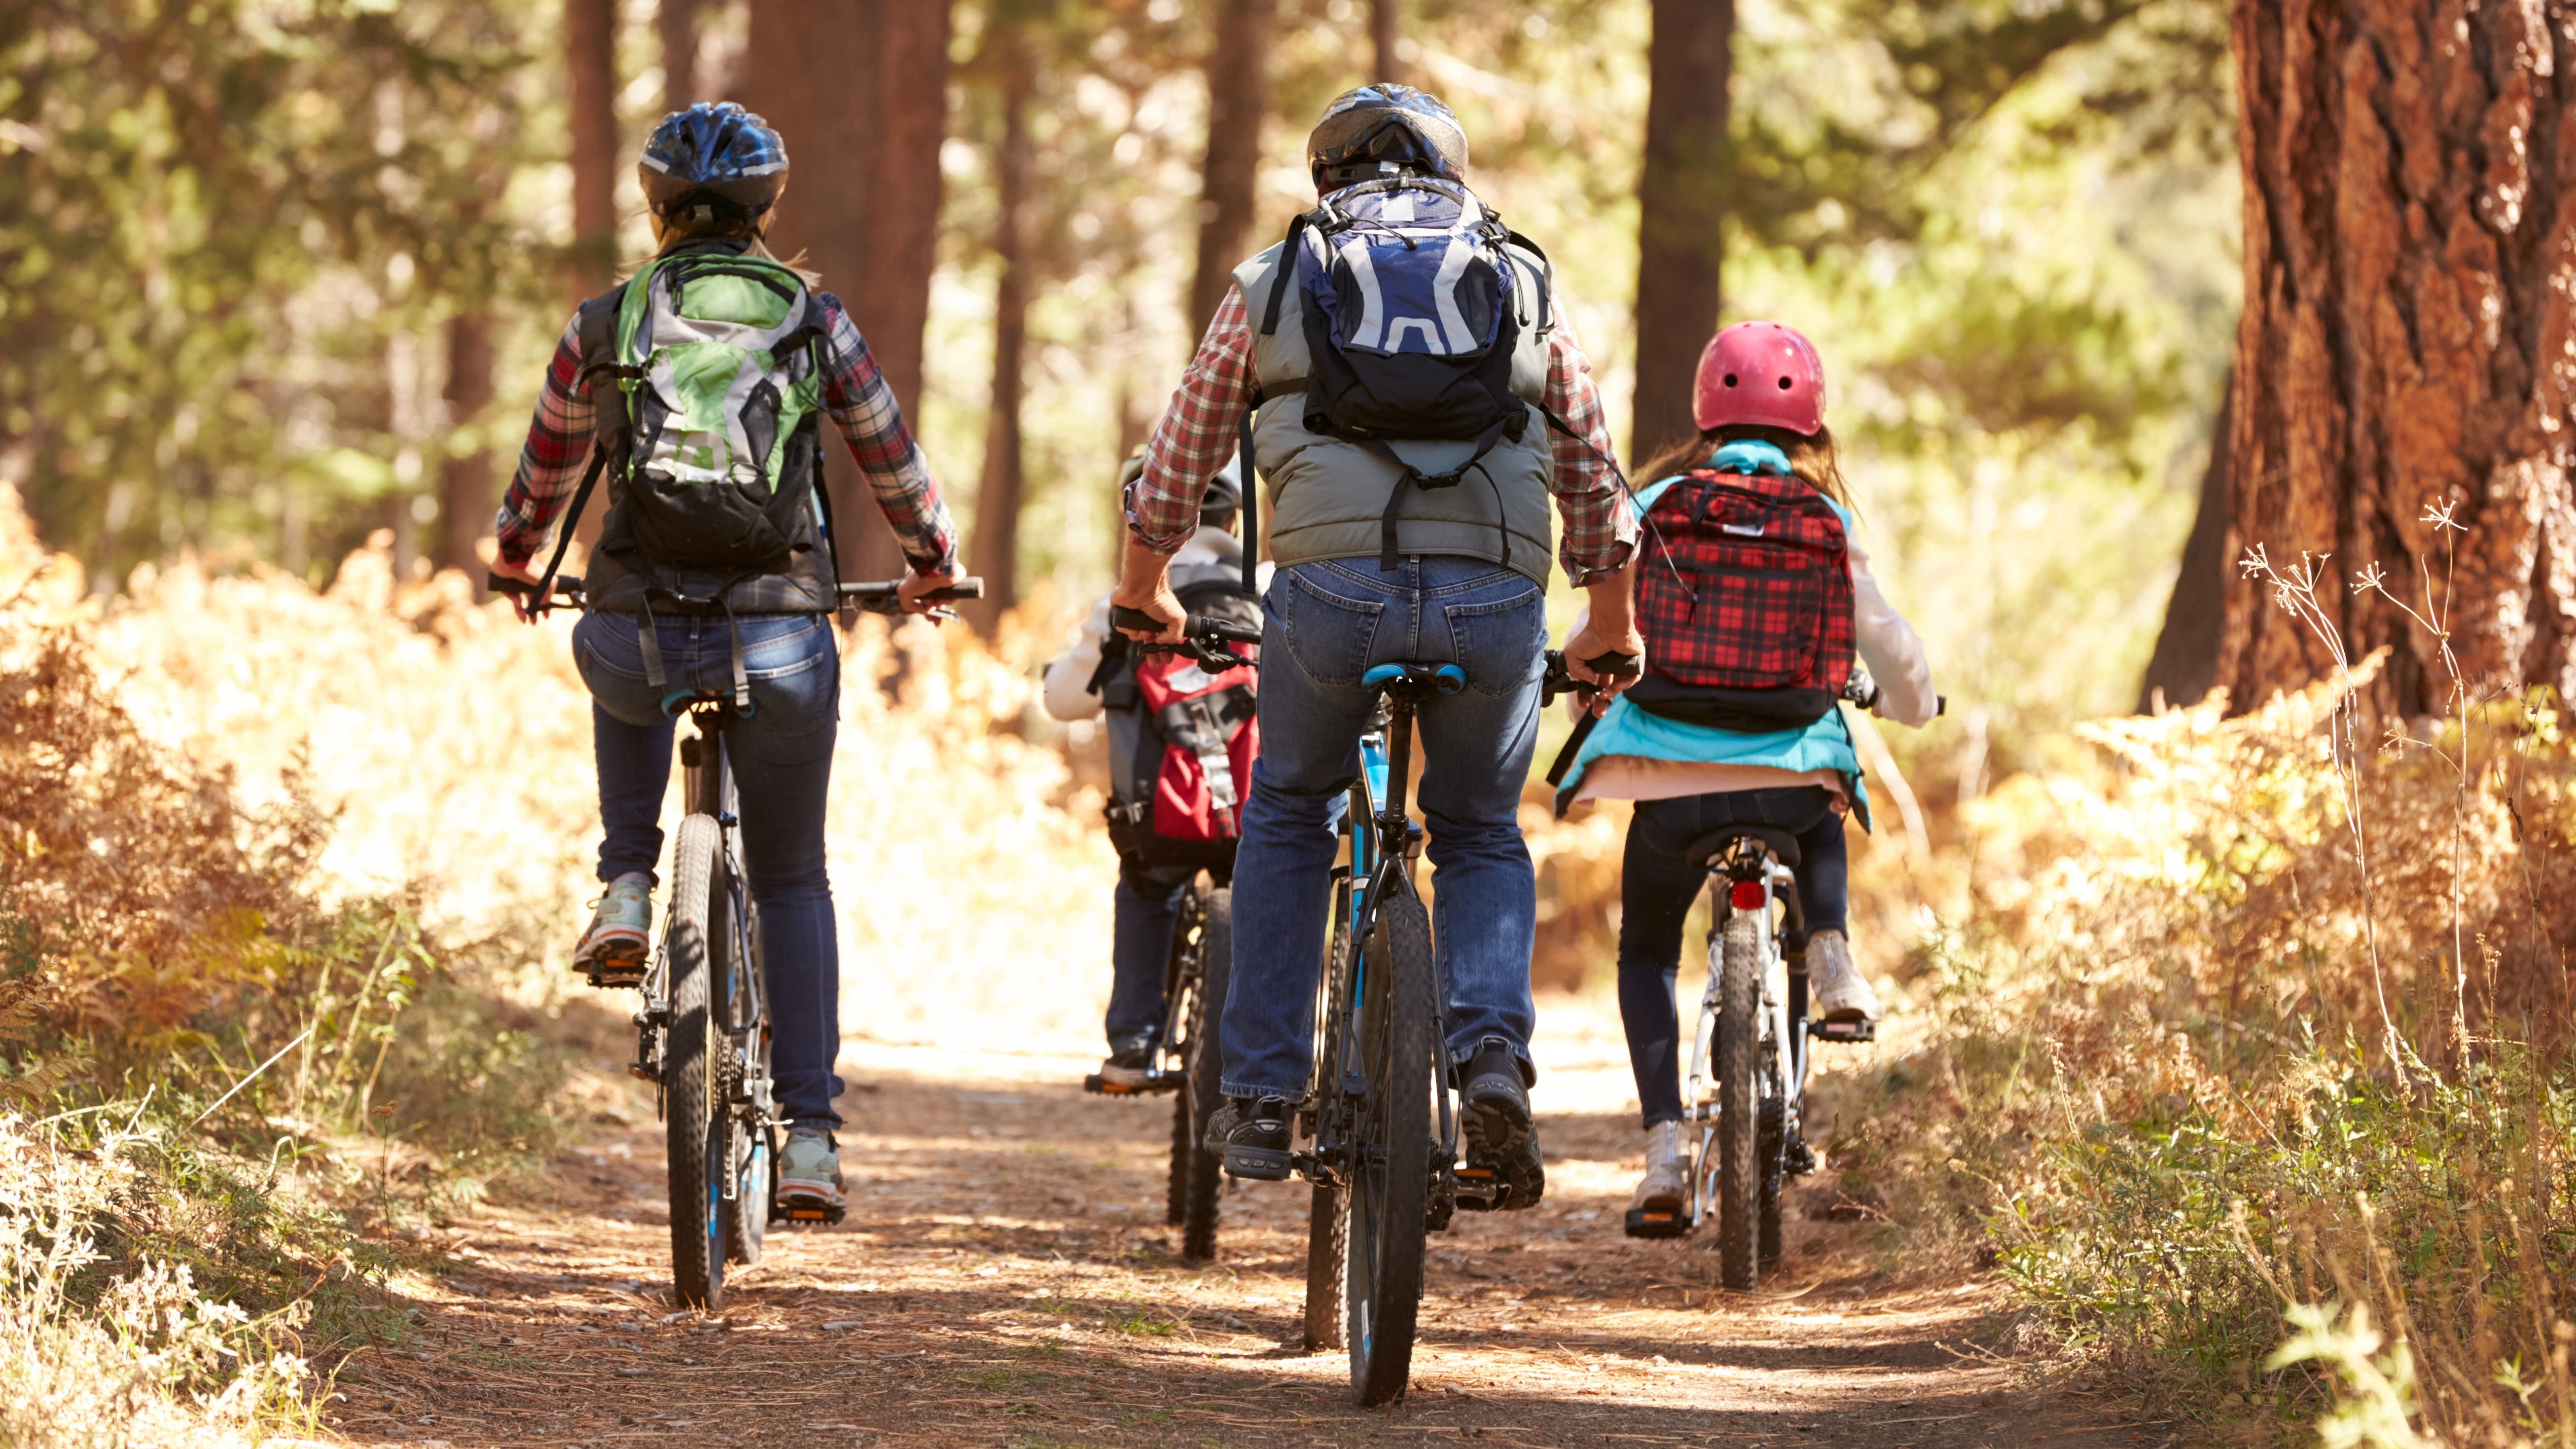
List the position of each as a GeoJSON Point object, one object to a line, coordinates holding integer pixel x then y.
{"type": "Point", "coordinates": [702, 1035]}
{"type": "Point", "coordinates": [1746, 1089]}
{"type": "Point", "coordinates": [1194, 984]}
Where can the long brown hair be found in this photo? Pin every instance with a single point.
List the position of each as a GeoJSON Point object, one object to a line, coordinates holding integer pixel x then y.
{"type": "Point", "coordinates": [1810, 457]}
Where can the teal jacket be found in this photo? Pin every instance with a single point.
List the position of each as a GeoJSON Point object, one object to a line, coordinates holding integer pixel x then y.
{"type": "Point", "coordinates": [1628, 730]}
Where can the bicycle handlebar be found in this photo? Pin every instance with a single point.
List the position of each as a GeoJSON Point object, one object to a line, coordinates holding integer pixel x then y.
{"type": "Point", "coordinates": [886, 598]}
{"type": "Point", "coordinates": [566, 594]}
{"type": "Point", "coordinates": [1561, 681]}
{"type": "Point", "coordinates": [1202, 638]}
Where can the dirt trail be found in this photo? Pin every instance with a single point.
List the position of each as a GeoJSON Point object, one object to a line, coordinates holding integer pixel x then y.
{"type": "Point", "coordinates": [1006, 1278]}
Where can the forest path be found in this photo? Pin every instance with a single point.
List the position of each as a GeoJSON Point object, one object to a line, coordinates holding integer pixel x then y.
{"type": "Point", "coordinates": [1006, 1278]}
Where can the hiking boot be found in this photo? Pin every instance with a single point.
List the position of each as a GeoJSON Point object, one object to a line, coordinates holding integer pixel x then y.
{"type": "Point", "coordinates": [1254, 1137]}
{"type": "Point", "coordinates": [1841, 992]}
{"type": "Point", "coordinates": [1666, 1185]}
{"type": "Point", "coordinates": [1502, 1145]}
{"type": "Point", "coordinates": [1130, 1069]}
{"type": "Point", "coordinates": [809, 1172]}
{"type": "Point", "coordinates": [620, 937]}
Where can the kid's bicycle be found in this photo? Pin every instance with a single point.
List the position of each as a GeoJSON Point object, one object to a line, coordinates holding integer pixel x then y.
{"type": "Point", "coordinates": [702, 1035]}
{"type": "Point", "coordinates": [1194, 984]}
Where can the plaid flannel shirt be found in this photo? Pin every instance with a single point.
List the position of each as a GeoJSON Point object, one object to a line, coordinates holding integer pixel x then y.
{"type": "Point", "coordinates": [1198, 433]}
{"type": "Point", "coordinates": [854, 394]}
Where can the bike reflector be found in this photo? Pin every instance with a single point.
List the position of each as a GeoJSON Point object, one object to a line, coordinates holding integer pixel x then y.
{"type": "Point", "coordinates": [1746, 895]}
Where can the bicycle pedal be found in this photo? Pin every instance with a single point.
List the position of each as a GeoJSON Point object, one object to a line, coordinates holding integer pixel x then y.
{"type": "Point", "coordinates": [802, 1215]}
{"type": "Point", "coordinates": [613, 979]}
{"type": "Point", "coordinates": [1157, 1083]}
{"type": "Point", "coordinates": [1843, 1031]}
{"type": "Point", "coordinates": [1481, 1191]}
{"type": "Point", "coordinates": [1645, 1224]}
{"type": "Point", "coordinates": [644, 1072]}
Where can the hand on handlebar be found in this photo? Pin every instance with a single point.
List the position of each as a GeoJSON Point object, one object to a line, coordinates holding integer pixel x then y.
{"type": "Point", "coordinates": [1605, 664]}
{"type": "Point", "coordinates": [1158, 603]}
{"type": "Point", "coordinates": [518, 573]}
{"type": "Point", "coordinates": [912, 595]}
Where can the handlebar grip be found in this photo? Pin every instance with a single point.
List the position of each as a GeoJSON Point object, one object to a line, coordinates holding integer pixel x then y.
{"type": "Point", "coordinates": [500, 584]}
{"type": "Point", "coordinates": [882, 597]}
{"type": "Point", "coordinates": [567, 587]}
{"type": "Point", "coordinates": [1122, 617]}
{"type": "Point", "coordinates": [1201, 626]}
{"type": "Point", "coordinates": [1615, 665]}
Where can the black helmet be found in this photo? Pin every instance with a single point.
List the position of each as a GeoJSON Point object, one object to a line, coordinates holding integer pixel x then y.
{"type": "Point", "coordinates": [1224, 496]}
{"type": "Point", "coordinates": [1383, 130]}
{"type": "Point", "coordinates": [714, 167]}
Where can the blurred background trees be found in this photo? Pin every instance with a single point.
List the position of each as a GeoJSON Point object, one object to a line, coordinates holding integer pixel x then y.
{"type": "Point", "coordinates": [281, 275]}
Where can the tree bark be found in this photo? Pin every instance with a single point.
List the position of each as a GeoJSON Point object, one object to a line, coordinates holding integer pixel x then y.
{"type": "Point", "coordinates": [996, 552]}
{"type": "Point", "coordinates": [677, 20]}
{"type": "Point", "coordinates": [1680, 196]}
{"type": "Point", "coordinates": [1238, 79]}
{"type": "Point", "coordinates": [2185, 662]}
{"type": "Point", "coordinates": [1385, 23]}
{"type": "Point", "coordinates": [860, 92]}
{"type": "Point", "coordinates": [2410, 198]}
{"type": "Point", "coordinates": [590, 53]}
{"type": "Point", "coordinates": [465, 479]}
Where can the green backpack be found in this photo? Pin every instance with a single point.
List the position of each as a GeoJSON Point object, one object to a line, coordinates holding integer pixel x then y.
{"type": "Point", "coordinates": [720, 358]}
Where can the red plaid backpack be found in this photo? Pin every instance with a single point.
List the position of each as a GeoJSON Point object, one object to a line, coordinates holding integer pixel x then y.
{"type": "Point", "coordinates": [1745, 598]}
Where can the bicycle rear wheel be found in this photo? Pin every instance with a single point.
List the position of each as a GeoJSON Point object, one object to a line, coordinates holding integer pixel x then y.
{"type": "Point", "coordinates": [1328, 1240]}
{"type": "Point", "coordinates": [1200, 1089]}
{"type": "Point", "coordinates": [694, 1125]}
{"type": "Point", "coordinates": [1181, 1009]}
{"type": "Point", "coordinates": [1736, 1063]}
{"type": "Point", "coordinates": [1390, 1169]}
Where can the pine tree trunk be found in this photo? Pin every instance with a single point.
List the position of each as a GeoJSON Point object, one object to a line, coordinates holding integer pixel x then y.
{"type": "Point", "coordinates": [2407, 339]}
{"type": "Point", "coordinates": [860, 93]}
{"type": "Point", "coordinates": [996, 551]}
{"type": "Point", "coordinates": [465, 500]}
{"type": "Point", "coordinates": [1386, 18]}
{"type": "Point", "coordinates": [590, 53]}
{"type": "Point", "coordinates": [677, 20]}
{"type": "Point", "coordinates": [1680, 198]}
{"type": "Point", "coordinates": [1238, 80]}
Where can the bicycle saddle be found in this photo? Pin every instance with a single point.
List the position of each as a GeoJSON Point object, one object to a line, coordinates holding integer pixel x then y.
{"type": "Point", "coordinates": [681, 701]}
{"type": "Point", "coordinates": [1442, 678]}
{"type": "Point", "coordinates": [1713, 845]}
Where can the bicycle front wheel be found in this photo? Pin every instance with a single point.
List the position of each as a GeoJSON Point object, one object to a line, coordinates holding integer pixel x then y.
{"type": "Point", "coordinates": [1390, 1158]}
{"type": "Point", "coordinates": [693, 1118]}
{"type": "Point", "coordinates": [1736, 1062]}
{"type": "Point", "coordinates": [1200, 1089]}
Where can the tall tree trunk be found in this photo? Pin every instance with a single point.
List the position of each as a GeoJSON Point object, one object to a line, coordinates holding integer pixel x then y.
{"type": "Point", "coordinates": [1385, 21]}
{"type": "Point", "coordinates": [1680, 198]}
{"type": "Point", "coordinates": [677, 20]}
{"type": "Point", "coordinates": [860, 92]}
{"type": "Point", "coordinates": [590, 53]}
{"type": "Point", "coordinates": [1238, 79]}
{"type": "Point", "coordinates": [2410, 195]}
{"type": "Point", "coordinates": [998, 500]}
{"type": "Point", "coordinates": [465, 480]}
{"type": "Point", "coordinates": [2185, 662]}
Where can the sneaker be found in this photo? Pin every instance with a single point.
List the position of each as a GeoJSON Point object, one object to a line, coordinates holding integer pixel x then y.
{"type": "Point", "coordinates": [621, 929]}
{"type": "Point", "coordinates": [1841, 992]}
{"type": "Point", "coordinates": [1130, 1070]}
{"type": "Point", "coordinates": [809, 1171]}
{"type": "Point", "coordinates": [1666, 1185]}
{"type": "Point", "coordinates": [1254, 1137]}
{"type": "Point", "coordinates": [1502, 1145]}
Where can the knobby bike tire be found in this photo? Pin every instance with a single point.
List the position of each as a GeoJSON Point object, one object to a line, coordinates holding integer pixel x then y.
{"type": "Point", "coordinates": [1390, 1195]}
{"type": "Point", "coordinates": [1772, 1149]}
{"type": "Point", "coordinates": [1735, 1062]}
{"type": "Point", "coordinates": [1180, 978]}
{"type": "Point", "coordinates": [755, 1145]}
{"type": "Point", "coordinates": [1202, 1089]}
{"type": "Point", "coordinates": [689, 1074]}
{"type": "Point", "coordinates": [1328, 1212]}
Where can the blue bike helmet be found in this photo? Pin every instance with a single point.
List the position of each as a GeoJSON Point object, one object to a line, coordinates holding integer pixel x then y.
{"type": "Point", "coordinates": [712, 168]}
{"type": "Point", "coordinates": [1385, 130]}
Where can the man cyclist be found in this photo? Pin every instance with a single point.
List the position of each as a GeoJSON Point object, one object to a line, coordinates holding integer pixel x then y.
{"type": "Point", "coordinates": [667, 612]}
{"type": "Point", "coordinates": [1468, 586]}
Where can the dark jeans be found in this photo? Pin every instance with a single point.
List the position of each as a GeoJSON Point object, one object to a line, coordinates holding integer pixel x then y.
{"type": "Point", "coordinates": [1148, 902]}
{"type": "Point", "coordinates": [782, 767]}
{"type": "Point", "coordinates": [1656, 888]}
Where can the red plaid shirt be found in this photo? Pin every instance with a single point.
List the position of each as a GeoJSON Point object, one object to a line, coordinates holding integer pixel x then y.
{"type": "Point", "coordinates": [1198, 432]}
{"type": "Point", "coordinates": [854, 393]}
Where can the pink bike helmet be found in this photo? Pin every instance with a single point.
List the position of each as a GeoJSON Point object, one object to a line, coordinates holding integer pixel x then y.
{"type": "Point", "coordinates": [1759, 372]}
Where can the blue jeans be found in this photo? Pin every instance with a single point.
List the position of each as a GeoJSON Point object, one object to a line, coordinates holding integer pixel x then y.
{"type": "Point", "coordinates": [1146, 906]}
{"type": "Point", "coordinates": [1326, 623]}
{"type": "Point", "coordinates": [1657, 884]}
{"type": "Point", "coordinates": [782, 766]}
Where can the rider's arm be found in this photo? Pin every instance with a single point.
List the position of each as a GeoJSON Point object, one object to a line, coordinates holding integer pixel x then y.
{"type": "Point", "coordinates": [1067, 690]}
{"type": "Point", "coordinates": [864, 409]}
{"type": "Point", "coordinates": [1891, 649]}
{"type": "Point", "coordinates": [1197, 434]}
{"type": "Point", "coordinates": [550, 463]}
{"type": "Point", "coordinates": [1600, 527]}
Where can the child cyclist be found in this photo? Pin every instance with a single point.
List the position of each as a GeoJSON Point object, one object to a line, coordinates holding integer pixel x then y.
{"type": "Point", "coordinates": [714, 568]}
{"type": "Point", "coordinates": [1098, 675]}
{"type": "Point", "coordinates": [1727, 727]}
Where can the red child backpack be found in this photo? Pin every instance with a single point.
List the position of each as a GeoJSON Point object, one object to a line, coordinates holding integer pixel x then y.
{"type": "Point", "coordinates": [1209, 734]}
{"type": "Point", "coordinates": [1745, 596]}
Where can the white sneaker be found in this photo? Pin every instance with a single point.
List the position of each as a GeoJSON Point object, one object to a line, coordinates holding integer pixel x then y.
{"type": "Point", "coordinates": [809, 1172]}
{"type": "Point", "coordinates": [620, 937]}
{"type": "Point", "coordinates": [1667, 1184]}
{"type": "Point", "coordinates": [1841, 992]}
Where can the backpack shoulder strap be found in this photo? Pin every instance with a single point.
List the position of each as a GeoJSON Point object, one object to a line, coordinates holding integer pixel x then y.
{"type": "Point", "coordinates": [1287, 269]}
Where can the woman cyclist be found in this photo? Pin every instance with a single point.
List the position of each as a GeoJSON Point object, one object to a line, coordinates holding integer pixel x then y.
{"type": "Point", "coordinates": [1759, 405]}
{"type": "Point", "coordinates": [714, 571]}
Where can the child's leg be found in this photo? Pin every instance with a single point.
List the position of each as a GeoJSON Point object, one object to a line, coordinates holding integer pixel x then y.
{"type": "Point", "coordinates": [1147, 903]}
{"type": "Point", "coordinates": [1656, 888]}
{"type": "Point", "coordinates": [1824, 876]}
